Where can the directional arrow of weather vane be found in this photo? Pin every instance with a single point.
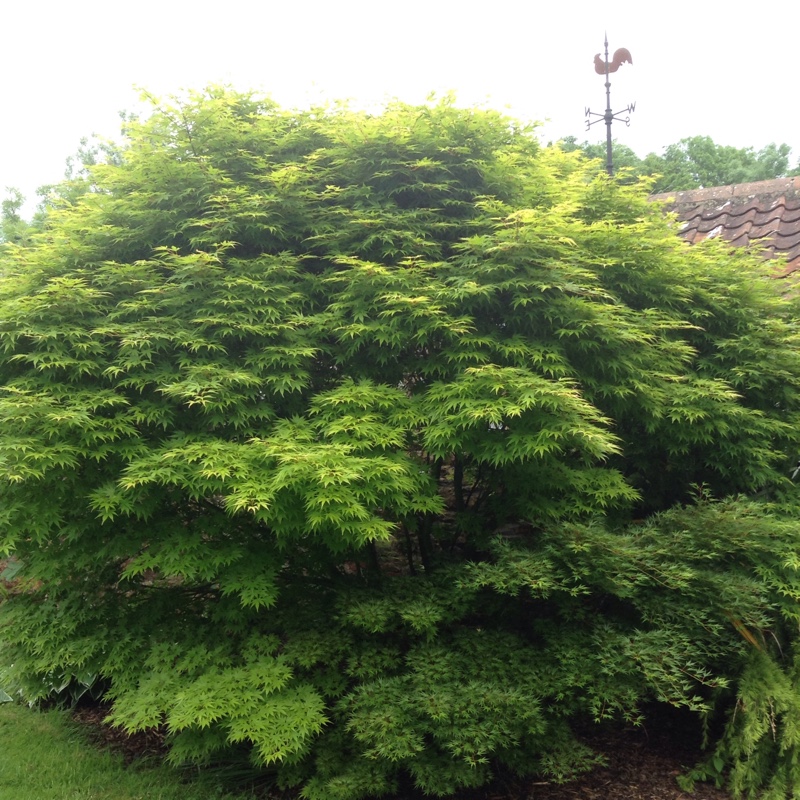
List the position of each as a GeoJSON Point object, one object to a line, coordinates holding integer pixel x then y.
{"type": "Point", "coordinates": [606, 67]}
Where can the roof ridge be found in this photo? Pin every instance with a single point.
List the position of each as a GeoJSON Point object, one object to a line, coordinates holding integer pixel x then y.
{"type": "Point", "coordinates": [774, 186]}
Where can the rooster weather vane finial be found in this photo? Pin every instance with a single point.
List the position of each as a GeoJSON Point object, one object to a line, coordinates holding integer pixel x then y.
{"type": "Point", "coordinates": [606, 67]}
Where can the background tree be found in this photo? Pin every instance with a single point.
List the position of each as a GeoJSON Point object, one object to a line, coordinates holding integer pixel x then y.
{"type": "Point", "coordinates": [92, 151]}
{"type": "Point", "coordinates": [624, 157]}
{"type": "Point", "coordinates": [322, 435]}
{"type": "Point", "coordinates": [13, 228]}
{"type": "Point", "coordinates": [695, 162]}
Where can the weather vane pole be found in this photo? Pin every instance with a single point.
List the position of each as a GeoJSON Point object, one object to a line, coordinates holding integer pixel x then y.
{"type": "Point", "coordinates": [606, 67]}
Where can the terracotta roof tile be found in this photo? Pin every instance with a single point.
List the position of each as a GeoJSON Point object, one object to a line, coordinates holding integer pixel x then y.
{"type": "Point", "coordinates": [764, 215]}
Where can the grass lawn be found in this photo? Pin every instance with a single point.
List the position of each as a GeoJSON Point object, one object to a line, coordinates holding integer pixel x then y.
{"type": "Point", "coordinates": [44, 757]}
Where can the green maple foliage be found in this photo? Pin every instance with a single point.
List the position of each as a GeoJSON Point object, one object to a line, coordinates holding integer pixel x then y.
{"type": "Point", "coordinates": [323, 434]}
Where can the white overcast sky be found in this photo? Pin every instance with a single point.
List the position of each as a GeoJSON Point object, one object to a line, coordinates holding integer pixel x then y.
{"type": "Point", "coordinates": [722, 69]}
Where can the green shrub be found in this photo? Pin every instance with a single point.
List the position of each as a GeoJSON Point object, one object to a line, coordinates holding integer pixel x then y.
{"type": "Point", "coordinates": [326, 434]}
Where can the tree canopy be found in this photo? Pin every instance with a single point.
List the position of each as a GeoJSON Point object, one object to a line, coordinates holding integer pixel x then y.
{"type": "Point", "coordinates": [368, 443]}
{"type": "Point", "coordinates": [695, 162]}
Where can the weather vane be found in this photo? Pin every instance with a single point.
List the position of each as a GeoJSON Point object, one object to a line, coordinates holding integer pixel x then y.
{"type": "Point", "coordinates": [606, 67]}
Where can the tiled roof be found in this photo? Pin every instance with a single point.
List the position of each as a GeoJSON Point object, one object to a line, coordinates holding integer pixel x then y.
{"type": "Point", "coordinates": [763, 215]}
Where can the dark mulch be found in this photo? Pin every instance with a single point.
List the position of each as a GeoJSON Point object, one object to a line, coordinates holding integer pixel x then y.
{"type": "Point", "coordinates": [641, 765]}
{"type": "Point", "coordinates": [132, 746]}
